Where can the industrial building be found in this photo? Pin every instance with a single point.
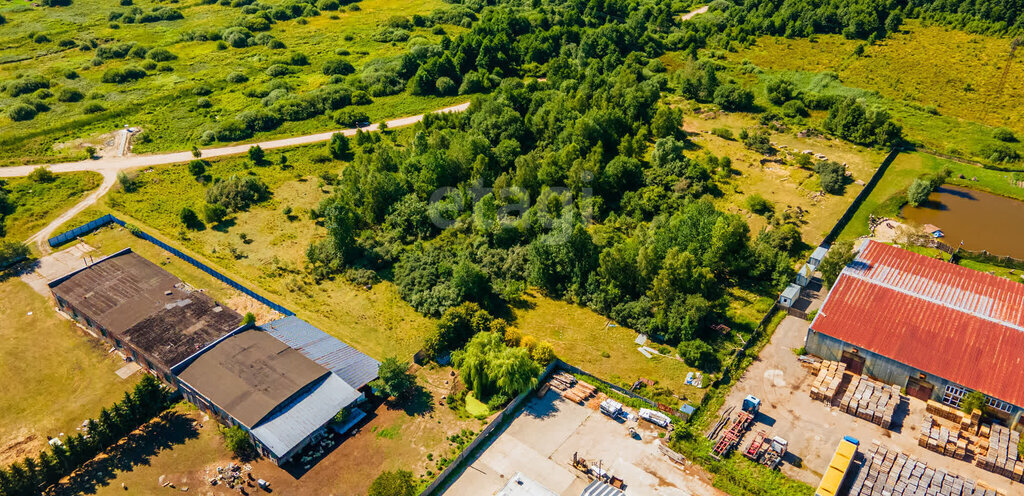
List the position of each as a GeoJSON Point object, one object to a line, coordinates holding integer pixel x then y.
{"type": "Point", "coordinates": [282, 382]}
{"type": "Point", "coordinates": [142, 310]}
{"type": "Point", "coordinates": [938, 329]}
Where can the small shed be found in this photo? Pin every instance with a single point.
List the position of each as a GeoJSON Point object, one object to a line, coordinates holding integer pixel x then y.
{"type": "Point", "coordinates": [789, 296]}
{"type": "Point", "coordinates": [803, 278]}
{"type": "Point", "coordinates": [818, 256]}
{"type": "Point", "coordinates": [686, 411]}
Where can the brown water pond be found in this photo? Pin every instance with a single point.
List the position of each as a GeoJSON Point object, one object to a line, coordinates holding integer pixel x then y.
{"type": "Point", "coordinates": [983, 221]}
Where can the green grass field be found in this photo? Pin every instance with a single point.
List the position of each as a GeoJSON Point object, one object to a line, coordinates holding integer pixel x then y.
{"type": "Point", "coordinates": [54, 375]}
{"type": "Point", "coordinates": [36, 204]}
{"type": "Point", "coordinates": [164, 103]}
{"type": "Point", "coordinates": [957, 73]}
{"type": "Point", "coordinates": [888, 194]}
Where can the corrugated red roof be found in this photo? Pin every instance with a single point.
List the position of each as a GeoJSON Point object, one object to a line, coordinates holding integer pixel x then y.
{"type": "Point", "coordinates": [946, 320]}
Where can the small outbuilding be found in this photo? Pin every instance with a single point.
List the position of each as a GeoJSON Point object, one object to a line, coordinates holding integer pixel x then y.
{"type": "Point", "coordinates": [818, 255]}
{"type": "Point", "coordinates": [803, 278]}
{"type": "Point", "coordinates": [789, 296]}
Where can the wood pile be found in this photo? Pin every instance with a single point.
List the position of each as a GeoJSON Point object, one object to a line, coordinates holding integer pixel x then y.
{"type": "Point", "coordinates": [871, 400]}
{"type": "Point", "coordinates": [1001, 456]}
{"type": "Point", "coordinates": [944, 441]}
{"type": "Point", "coordinates": [579, 393]}
{"type": "Point", "coordinates": [892, 473]}
{"type": "Point", "coordinates": [825, 385]}
{"type": "Point", "coordinates": [562, 381]}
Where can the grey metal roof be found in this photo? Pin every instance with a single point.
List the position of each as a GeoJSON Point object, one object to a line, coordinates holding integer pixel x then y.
{"type": "Point", "coordinates": [291, 426]}
{"type": "Point", "coordinates": [354, 367]}
{"type": "Point", "coordinates": [601, 488]}
{"type": "Point", "coordinates": [819, 253]}
{"type": "Point", "coordinates": [791, 291]}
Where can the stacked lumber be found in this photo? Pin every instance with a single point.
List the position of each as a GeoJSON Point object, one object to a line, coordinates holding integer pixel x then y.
{"type": "Point", "coordinates": [890, 472]}
{"type": "Point", "coordinates": [579, 393]}
{"type": "Point", "coordinates": [825, 385]}
{"type": "Point", "coordinates": [944, 441]}
{"type": "Point", "coordinates": [1002, 456]}
{"type": "Point", "coordinates": [562, 381]}
{"type": "Point", "coordinates": [871, 400]}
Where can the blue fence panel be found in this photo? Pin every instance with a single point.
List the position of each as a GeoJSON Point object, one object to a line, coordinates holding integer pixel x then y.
{"type": "Point", "coordinates": [107, 219]}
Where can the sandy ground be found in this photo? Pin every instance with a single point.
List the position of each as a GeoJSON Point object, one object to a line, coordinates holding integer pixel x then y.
{"type": "Point", "coordinates": [541, 441]}
{"type": "Point", "coordinates": [814, 429]}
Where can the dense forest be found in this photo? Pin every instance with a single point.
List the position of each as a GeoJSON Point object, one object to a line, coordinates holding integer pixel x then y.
{"type": "Point", "coordinates": [578, 185]}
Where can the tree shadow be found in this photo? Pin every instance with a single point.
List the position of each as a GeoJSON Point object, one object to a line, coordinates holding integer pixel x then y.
{"type": "Point", "coordinates": [224, 225]}
{"type": "Point", "coordinates": [138, 448]}
{"type": "Point", "coordinates": [19, 269]}
{"type": "Point", "coordinates": [417, 401]}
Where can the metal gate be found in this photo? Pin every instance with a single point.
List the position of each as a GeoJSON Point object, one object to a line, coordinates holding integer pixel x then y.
{"type": "Point", "coordinates": [854, 362]}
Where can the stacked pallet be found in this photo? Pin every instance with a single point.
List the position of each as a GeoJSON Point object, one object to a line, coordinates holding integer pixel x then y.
{"type": "Point", "coordinates": [968, 423]}
{"type": "Point", "coordinates": [944, 441]}
{"type": "Point", "coordinates": [871, 400]}
{"type": "Point", "coordinates": [892, 473]}
{"type": "Point", "coordinates": [579, 393]}
{"type": "Point", "coordinates": [1002, 454]}
{"type": "Point", "coordinates": [825, 385]}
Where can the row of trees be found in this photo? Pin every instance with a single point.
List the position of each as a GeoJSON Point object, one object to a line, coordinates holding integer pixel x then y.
{"type": "Point", "coordinates": [30, 476]}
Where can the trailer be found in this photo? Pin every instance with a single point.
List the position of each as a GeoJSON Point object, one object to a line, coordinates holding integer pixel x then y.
{"type": "Point", "coordinates": [838, 467]}
{"type": "Point", "coordinates": [774, 453]}
{"type": "Point", "coordinates": [754, 451]}
{"type": "Point", "coordinates": [732, 437]}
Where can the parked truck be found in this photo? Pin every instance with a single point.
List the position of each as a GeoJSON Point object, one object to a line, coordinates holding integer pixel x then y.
{"type": "Point", "coordinates": [773, 454]}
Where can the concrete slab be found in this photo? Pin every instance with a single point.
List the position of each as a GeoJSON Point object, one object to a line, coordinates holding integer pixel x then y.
{"type": "Point", "coordinates": [55, 265]}
{"type": "Point", "coordinates": [128, 370]}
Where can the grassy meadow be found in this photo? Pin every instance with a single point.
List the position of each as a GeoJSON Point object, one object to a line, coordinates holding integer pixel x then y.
{"type": "Point", "coordinates": [944, 86]}
{"type": "Point", "coordinates": [38, 203]}
{"type": "Point", "coordinates": [165, 102]}
{"type": "Point", "coordinates": [51, 388]}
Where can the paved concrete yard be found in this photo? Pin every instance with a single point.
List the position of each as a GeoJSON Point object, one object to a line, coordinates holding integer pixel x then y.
{"type": "Point", "coordinates": [542, 438]}
{"type": "Point", "coordinates": [814, 429]}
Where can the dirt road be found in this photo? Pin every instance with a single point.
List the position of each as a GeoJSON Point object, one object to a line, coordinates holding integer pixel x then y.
{"type": "Point", "coordinates": [690, 15]}
{"type": "Point", "coordinates": [110, 166]}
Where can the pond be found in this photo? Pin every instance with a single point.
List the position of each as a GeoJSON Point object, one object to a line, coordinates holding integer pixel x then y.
{"type": "Point", "coordinates": [983, 221]}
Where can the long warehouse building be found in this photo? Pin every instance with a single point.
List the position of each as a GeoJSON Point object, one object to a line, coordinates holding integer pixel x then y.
{"type": "Point", "coordinates": [936, 328]}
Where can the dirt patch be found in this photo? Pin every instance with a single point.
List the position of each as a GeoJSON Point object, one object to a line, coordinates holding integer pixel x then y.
{"type": "Point", "coordinates": [26, 444]}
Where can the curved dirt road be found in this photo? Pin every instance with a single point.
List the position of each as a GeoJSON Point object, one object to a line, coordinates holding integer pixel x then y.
{"type": "Point", "coordinates": [109, 167]}
{"type": "Point", "coordinates": [690, 15]}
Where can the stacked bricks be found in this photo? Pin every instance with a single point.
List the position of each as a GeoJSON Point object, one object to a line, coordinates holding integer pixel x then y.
{"type": "Point", "coordinates": [888, 472]}
{"type": "Point", "coordinates": [968, 423]}
{"type": "Point", "coordinates": [1002, 454]}
{"type": "Point", "coordinates": [825, 385]}
{"type": "Point", "coordinates": [871, 400]}
{"type": "Point", "coordinates": [944, 441]}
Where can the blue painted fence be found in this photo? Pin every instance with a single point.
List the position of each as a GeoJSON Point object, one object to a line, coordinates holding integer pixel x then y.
{"type": "Point", "coordinates": [107, 219]}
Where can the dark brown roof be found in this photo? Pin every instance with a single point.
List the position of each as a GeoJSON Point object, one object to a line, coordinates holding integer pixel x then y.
{"type": "Point", "coordinates": [150, 308]}
{"type": "Point", "coordinates": [250, 373]}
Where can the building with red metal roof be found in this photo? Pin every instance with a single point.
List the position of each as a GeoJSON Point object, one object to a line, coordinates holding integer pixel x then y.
{"type": "Point", "coordinates": [939, 329]}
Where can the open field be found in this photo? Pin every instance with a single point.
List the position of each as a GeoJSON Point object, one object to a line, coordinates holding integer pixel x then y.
{"type": "Point", "coordinates": [814, 429]}
{"type": "Point", "coordinates": [348, 469]}
{"type": "Point", "coordinates": [788, 187]}
{"type": "Point", "coordinates": [54, 375]}
{"type": "Point", "coordinates": [908, 73]}
{"type": "Point", "coordinates": [887, 196]}
{"type": "Point", "coordinates": [165, 102]}
{"type": "Point", "coordinates": [544, 435]}
{"type": "Point", "coordinates": [36, 204]}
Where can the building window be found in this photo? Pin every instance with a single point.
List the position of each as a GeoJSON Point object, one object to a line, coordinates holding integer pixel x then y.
{"type": "Point", "coordinates": [103, 332]}
{"type": "Point", "coordinates": [998, 405]}
{"type": "Point", "coordinates": [953, 395]}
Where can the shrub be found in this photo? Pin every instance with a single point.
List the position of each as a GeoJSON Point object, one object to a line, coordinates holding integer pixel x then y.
{"type": "Point", "coordinates": [149, 65]}
{"type": "Point", "coordinates": [26, 85]}
{"type": "Point", "coordinates": [123, 75]}
{"type": "Point", "coordinates": [165, 68]}
{"type": "Point", "coordinates": [397, 483]}
{"type": "Point", "coordinates": [236, 77]}
{"type": "Point", "coordinates": [203, 102]}
{"type": "Point", "coordinates": [69, 95]}
{"type": "Point", "coordinates": [92, 108]}
{"type": "Point", "coordinates": [197, 167]}
{"type": "Point", "coordinates": [259, 119]}
{"type": "Point", "coordinates": [214, 213]}
{"type": "Point", "coordinates": [1003, 134]}
{"type": "Point", "coordinates": [794, 108]}
{"type": "Point", "coordinates": [361, 98]}
{"type": "Point", "coordinates": [277, 70]}
{"type": "Point", "coordinates": [722, 132]}
{"type": "Point", "coordinates": [733, 97]}
{"type": "Point", "coordinates": [21, 112]}
{"type": "Point", "coordinates": [237, 193]}
{"type": "Point", "coordinates": [338, 66]}
{"type": "Point", "coordinates": [129, 184]}
{"type": "Point", "coordinates": [202, 90]}
{"type": "Point", "coordinates": [697, 353]}
{"type": "Point", "coordinates": [12, 251]}
{"type": "Point", "coordinates": [189, 219]}
{"type": "Point", "coordinates": [832, 177]}
{"type": "Point", "coordinates": [780, 91]}
{"type": "Point", "coordinates": [232, 130]}
{"type": "Point", "coordinates": [759, 205]}
{"type": "Point", "coordinates": [237, 440]}
{"type": "Point", "coordinates": [974, 400]}
{"type": "Point", "coordinates": [445, 86]}
{"type": "Point", "coordinates": [918, 192]}
{"type": "Point", "coordinates": [70, 74]}
{"type": "Point", "coordinates": [256, 154]}
{"type": "Point", "coordinates": [42, 175]}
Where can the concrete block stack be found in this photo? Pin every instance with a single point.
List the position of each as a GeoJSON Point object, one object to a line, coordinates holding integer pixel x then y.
{"type": "Point", "coordinates": [968, 423]}
{"type": "Point", "coordinates": [944, 441]}
{"type": "Point", "coordinates": [1002, 455]}
{"type": "Point", "coordinates": [889, 472]}
{"type": "Point", "coordinates": [825, 385]}
{"type": "Point", "coordinates": [871, 400]}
